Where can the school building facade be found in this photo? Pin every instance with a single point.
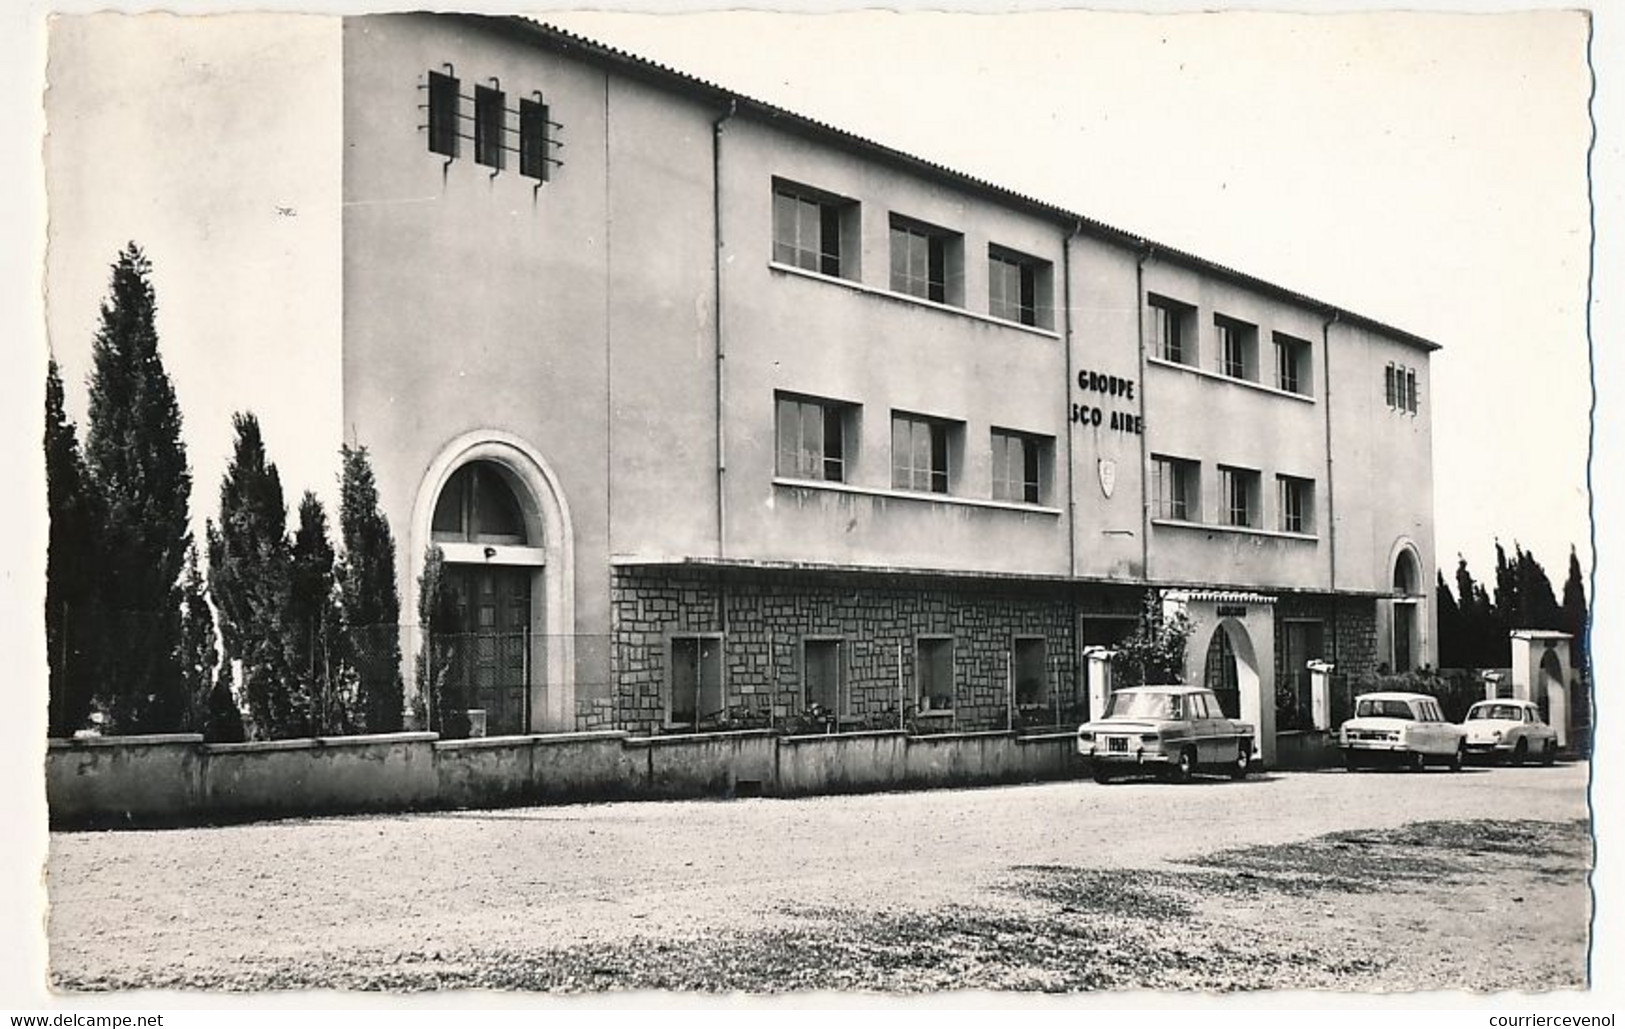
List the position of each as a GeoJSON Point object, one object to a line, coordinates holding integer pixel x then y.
{"type": "Point", "coordinates": [720, 414]}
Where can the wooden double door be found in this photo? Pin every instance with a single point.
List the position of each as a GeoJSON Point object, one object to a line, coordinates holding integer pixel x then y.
{"type": "Point", "coordinates": [492, 667]}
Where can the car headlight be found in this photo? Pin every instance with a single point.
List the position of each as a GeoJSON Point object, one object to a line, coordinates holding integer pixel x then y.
{"type": "Point", "coordinates": [1086, 737]}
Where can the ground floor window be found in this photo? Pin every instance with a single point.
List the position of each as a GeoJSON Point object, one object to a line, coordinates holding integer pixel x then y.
{"type": "Point", "coordinates": [695, 693]}
{"type": "Point", "coordinates": [823, 677]}
{"type": "Point", "coordinates": [1030, 669]}
{"type": "Point", "coordinates": [1302, 641]}
{"type": "Point", "coordinates": [934, 672]}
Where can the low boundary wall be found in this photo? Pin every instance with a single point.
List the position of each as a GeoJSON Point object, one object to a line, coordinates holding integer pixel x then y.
{"type": "Point", "coordinates": [166, 780]}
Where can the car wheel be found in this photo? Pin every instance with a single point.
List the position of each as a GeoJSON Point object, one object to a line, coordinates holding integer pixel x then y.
{"type": "Point", "coordinates": [1457, 758]}
{"type": "Point", "coordinates": [1520, 753]}
{"type": "Point", "coordinates": [1186, 767]}
{"type": "Point", "coordinates": [1416, 761]}
{"type": "Point", "coordinates": [1351, 762]}
{"type": "Point", "coordinates": [1102, 775]}
{"type": "Point", "coordinates": [1243, 765]}
{"type": "Point", "coordinates": [1550, 757]}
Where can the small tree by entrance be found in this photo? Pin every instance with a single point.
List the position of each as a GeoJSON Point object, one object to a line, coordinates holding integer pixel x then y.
{"type": "Point", "coordinates": [1155, 651]}
{"type": "Point", "coordinates": [443, 708]}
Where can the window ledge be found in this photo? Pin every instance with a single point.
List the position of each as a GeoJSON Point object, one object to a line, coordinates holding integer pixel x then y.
{"type": "Point", "coordinates": [860, 287]}
{"type": "Point", "coordinates": [1175, 523]}
{"type": "Point", "coordinates": [904, 494]}
{"type": "Point", "coordinates": [1216, 377]}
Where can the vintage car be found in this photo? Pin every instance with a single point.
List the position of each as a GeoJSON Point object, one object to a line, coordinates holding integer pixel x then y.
{"type": "Point", "coordinates": [1509, 730]}
{"type": "Point", "coordinates": [1403, 729]}
{"type": "Point", "coordinates": [1172, 730]}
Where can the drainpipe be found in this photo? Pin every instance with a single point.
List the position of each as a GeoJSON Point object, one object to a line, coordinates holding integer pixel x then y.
{"type": "Point", "coordinates": [1071, 463]}
{"type": "Point", "coordinates": [716, 325]}
{"type": "Point", "coordinates": [1148, 252]}
{"type": "Point", "coordinates": [1066, 401]}
{"type": "Point", "coordinates": [1326, 402]}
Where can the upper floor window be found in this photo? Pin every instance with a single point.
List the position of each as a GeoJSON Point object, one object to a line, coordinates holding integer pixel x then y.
{"type": "Point", "coordinates": [812, 437]}
{"type": "Point", "coordinates": [1018, 466]}
{"type": "Point", "coordinates": [490, 126]}
{"type": "Point", "coordinates": [926, 262]}
{"type": "Point", "coordinates": [811, 229]}
{"type": "Point", "coordinates": [1238, 492]}
{"type": "Point", "coordinates": [1018, 287]}
{"type": "Point", "coordinates": [535, 138]}
{"type": "Point", "coordinates": [443, 133]}
{"type": "Point", "coordinates": [1176, 490]}
{"type": "Point", "coordinates": [1238, 348]}
{"type": "Point", "coordinates": [1292, 368]}
{"type": "Point", "coordinates": [1295, 500]}
{"type": "Point", "coordinates": [1399, 384]}
{"type": "Point", "coordinates": [920, 458]}
{"type": "Point", "coordinates": [1171, 335]}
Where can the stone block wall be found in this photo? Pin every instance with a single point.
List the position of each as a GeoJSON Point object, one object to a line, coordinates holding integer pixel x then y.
{"type": "Point", "coordinates": [764, 617]}
{"type": "Point", "coordinates": [1349, 625]}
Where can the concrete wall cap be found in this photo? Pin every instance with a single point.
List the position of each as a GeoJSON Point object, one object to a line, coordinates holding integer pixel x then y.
{"type": "Point", "coordinates": [557, 738]}
{"type": "Point", "coordinates": [376, 738]}
{"type": "Point", "coordinates": [151, 739]}
{"type": "Point", "coordinates": [854, 735]}
{"type": "Point", "coordinates": [948, 737]}
{"type": "Point", "coordinates": [699, 737]}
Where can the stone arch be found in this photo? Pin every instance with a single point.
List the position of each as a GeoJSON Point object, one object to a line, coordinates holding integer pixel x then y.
{"type": "Point", "coordinates": [1231, 639]}
{"type": "Point", "coordinates": [548, 552]}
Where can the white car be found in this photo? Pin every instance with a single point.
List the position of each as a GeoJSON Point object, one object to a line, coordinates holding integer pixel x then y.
{"type": "Point", "coordinates": [1509, 730]}
{"type": "Point", "coordinates": [1404, 729]}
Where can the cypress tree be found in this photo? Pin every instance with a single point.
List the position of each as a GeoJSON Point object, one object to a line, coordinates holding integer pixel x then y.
{"type": "Point", "coordinates": [445, 709]}
{"type": "Point", "coordinates": [1540, 610]}
{"type": "Point", "coordinates": [135, 458]}
{"type": "Point", "coordinates": [368, 596]}
{"type": "Point", "coordinates": [71, 618]}
{"type": "Point", "coordinates": [1575, 614]}
{"type": "Point", "coordinates": [1508, 605]}
{"type": "Point", "coordinates": [197, 657]}
{"type": "Point", "coordinates": [250, 570]}
{"type": "Point", "coordinates": [312, 616]}
{"type": "Point", "coordinates": [1451, 641]}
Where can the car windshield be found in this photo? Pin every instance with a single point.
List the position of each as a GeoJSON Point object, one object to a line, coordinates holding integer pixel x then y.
{"type": "Point", "coordinates": [1507, 712]}
{"type": "Point", "coordinates": [1370, 708]}
{"type": "Point", "coordinates": [1135, 704]}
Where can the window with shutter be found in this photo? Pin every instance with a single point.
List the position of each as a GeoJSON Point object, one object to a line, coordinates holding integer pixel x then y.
{"type": "Point", "coordinates": [442, 114]}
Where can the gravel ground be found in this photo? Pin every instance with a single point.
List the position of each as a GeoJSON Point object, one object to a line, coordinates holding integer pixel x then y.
{"type": "Point", "coordinates": [1312, 880]}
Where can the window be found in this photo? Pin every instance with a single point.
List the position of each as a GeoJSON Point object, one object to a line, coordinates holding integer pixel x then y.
{"type": "Point", "coordinates": [1400, 389]}
{"type": "Point", "coordinates": [1030, 666]}
{"type": "Point", "coordinates": [477, 505]}
{"type": "Point", "coordinates": [926, 262]}
{"type": "Point", "coordinates": [1238, 492]}
{"type": "Point", "coordinates": [1238, 348]}
{"type": "Point", "coordinates": [934, 672]}
{"type": "Point", "coordinates": [442, 114]}
{"type": "Point", "coordinates": [822, 675]}
{"type": "Point", "coordinates": [696, 680]}
{"type": "Point", "coordinates": [490, 125]}
{"type": "Point", "coordinates": [1018, 466]}
{"type": "Point", "coordinates": [535, 138]}
{"type": "Point", "coordinates": [1018, 287]}
{"type": "Point", "coordinates": [810, 228]}
{"type": "Point", "coordinates": [1171, 336]}
{"type": "Point", "coordinates": [812, 438]}
{"type": "Point", "coordinates": [919, 453]}
{"type": "Point", "coordinates": [1292, 370]}
{"type": "Point", "coordinates": [1175, 492]}
{"type": "Point", "coordinates": [1295, 499]}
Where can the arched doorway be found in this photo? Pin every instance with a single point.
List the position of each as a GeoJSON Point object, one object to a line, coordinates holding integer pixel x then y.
{"type": "Point", "coordinates": [484, 656]}
{"type": "Point", "coordinates": [1553, 696]}
{"type": "Point", "coordinates": [1406, 635]}
{"type": "Point", "coordinates": [1230, 670]}
{"type": "Point", "coordinates": [494, 509]}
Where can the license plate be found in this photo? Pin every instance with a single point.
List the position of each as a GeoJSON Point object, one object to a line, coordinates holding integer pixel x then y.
{"type": "Point", "coordinates": [1117, 744]}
